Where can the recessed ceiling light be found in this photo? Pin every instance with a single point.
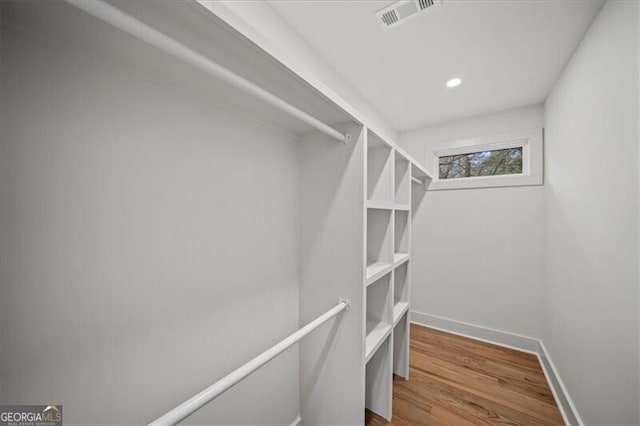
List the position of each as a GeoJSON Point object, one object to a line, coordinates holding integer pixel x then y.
{"type": "Point", "coordinates": [454, 82]}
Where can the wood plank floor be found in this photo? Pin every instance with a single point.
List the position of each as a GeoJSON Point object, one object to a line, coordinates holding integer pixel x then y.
{"type": "Point", "coordinates": [458, 381]}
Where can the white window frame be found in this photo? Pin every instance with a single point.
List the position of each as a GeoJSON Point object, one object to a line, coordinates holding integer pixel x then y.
{"type": "Point", "coordinates": [530, 140]}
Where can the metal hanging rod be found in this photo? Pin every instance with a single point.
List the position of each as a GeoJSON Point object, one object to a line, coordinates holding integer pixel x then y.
{"type": "Point", "coordinates": [111, 15]}
{"type": "Point", "coordinates": [193, 404]}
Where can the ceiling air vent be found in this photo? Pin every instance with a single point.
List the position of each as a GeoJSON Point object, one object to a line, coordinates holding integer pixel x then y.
{"type": "Point", "coordinates": [396, 13]}
{"type": "Point", "coordinates": [389, 18]}
{"type": "Point", "coordinates": [425, 3]}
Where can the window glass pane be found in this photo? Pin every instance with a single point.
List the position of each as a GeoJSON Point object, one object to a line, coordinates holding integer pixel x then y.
{"type": "Point", "coordinates": [484, 163]}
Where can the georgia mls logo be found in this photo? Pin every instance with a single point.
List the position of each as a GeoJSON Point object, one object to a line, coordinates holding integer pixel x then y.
{"type": "Point", "coordinates": [30, 415]}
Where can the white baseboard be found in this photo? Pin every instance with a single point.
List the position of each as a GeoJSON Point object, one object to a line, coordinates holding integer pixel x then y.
{"type": "Point", "coordinates": [476, 332]}
{"type": "Point", "coordinates": [518, 342]}
{"type": "Point", "coordinates": [296, 421]}
{"type": "Point", "coordinates": [560, 391]}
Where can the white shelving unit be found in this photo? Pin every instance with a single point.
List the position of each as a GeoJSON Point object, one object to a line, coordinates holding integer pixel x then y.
{"type": "Point", "coordinates": [388, 179]}
{"type": "Point", "coordinates": [391, 180]}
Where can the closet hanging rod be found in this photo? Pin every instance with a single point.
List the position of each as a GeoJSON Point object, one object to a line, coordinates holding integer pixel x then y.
{"type": "Point", "coordinates": [115, 17]}
{"type": "Point", "coordinates": [198, 401]}
{"type": "Point", "coordinates": [416, 180]}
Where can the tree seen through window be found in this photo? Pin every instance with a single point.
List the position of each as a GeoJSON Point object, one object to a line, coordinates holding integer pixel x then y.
{"type": "Point", "coordinates": [483, 163]}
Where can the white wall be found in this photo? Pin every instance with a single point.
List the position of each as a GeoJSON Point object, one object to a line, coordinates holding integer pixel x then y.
{"type": "Point", "coordinates": [591, 249]}
{"type": "Point", "coordinates": [144, 234]}
{"type": "Point", "coordinates": [477, 253]}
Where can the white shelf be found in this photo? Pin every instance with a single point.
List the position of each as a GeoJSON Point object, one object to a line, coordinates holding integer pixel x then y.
{"type": "Point", "coordinates": [399, 309]}
{"type": "Point", "coordinates": [400, 258]}
{"type": "Point", "coordinates": [380, 205]}
{"type": "Point", "coordinates": [375, 338]}
{"type": "Point", "coordinates": [402, 207]}
{"type": "Point", "coordinates": [211, 38]}
{"type": "Point", "coordinates": [419, 172]}
{"type": "Point", "coordinates": [420, 175]}
{"type": "Point", "coordinates": [377, 270]}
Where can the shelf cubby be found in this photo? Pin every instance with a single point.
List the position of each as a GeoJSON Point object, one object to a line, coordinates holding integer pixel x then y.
{"type": "Point", "coordinates": [379, 380]}
{"type": "Point", "coordinates": [400, 291]}
{"type": "Point", "coordinates": [401, 237]}
{"type": "Point", "coordinates": [380, 205]}
{"type": "Point", "coordinates": [379, 170]}
{"type": "Point", "coordinates": [402, 180]}
{"type": "Point", "coordinates": [379, 243]}
{"type": "Point", "coordinates": [379, 316]}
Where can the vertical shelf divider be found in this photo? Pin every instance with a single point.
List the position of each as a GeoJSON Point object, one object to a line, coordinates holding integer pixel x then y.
{"type": "Point", "coordinates": [401, 347]}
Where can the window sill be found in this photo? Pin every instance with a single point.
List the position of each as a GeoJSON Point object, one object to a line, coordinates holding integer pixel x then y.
{"type": "Point", "coordinates": [485, 182]}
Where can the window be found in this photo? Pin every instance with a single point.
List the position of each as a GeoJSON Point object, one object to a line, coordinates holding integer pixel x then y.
{"type": "Point", "coordinates": [513, 159]}
{"type": "Point", "coordinates": [482, 163]}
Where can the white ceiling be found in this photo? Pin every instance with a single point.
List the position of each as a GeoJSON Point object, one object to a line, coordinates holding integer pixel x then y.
{"type": "Point", "coordinates": [508, 53]}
